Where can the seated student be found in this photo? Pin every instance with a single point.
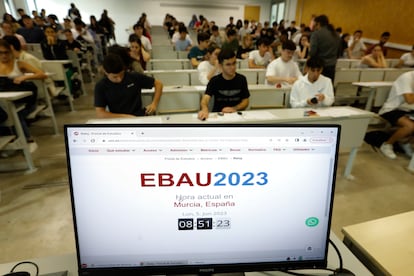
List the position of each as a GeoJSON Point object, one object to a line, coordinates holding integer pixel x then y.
{"type": "Point", "coordinates": [356, 46]}
{"type": "Point", "coordinates": [71, 43]}
{"type": "Point", "coordinates": [283, 70]}
{"type": "Point", "coordinates": [19, 74]}
{"type": "Point", "coordinates": [406, 60]}
{"type": "Point", "coordinates": [24, 56]}
{"type": "Point", "coordinates": [210, 67]}
{"type": "Point", "coordinates": [216, 36]}
{"type": "Point", "coordinates": [313, 89]}
{"type": "Point", "coordinates": [176, 34]}
{"type": "Point", "coordinates": [52, 47]}
{"type": "Point", "coordinates": [246, 47]}
{"type": "Point", "coordinates": [131, 65]}
{"type": "Point", "coordinates": [118, 94]}
{"type": "Point", "coordinates": [183, 43]}
{"type": "Point", "coordinates": [232, 41]}
{"type": "Point", "coordinates": [375, 59]}
{"type": "Point", "coordinates": [402, 92]}
{"type": "Point", "coordinates": [302, 49]}
{"type": "Point", "coordinates": [229, 88]}
{"type": "Point", "coordinates": [139, 30]}
{"type": "Point", "coordinates": [261, 57]}
{"type": "Point", "coordinates": [385, 36]}
{"type": "Point", "coordinates": [197, 53]}
{"type": "Point", "coordinates": [138, 53]}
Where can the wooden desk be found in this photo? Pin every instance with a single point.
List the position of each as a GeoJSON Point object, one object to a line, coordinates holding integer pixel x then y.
{"type": "Point", "coordinates": [7, 100]}
{"type": "Point", "coordinates": [373, 86]}
{"type": "Point", "coordinates": [354, 122]}
{"type": "Point", "coordinates": [68, 262]}
{"type": "Point", "coordinates": [384, 245]}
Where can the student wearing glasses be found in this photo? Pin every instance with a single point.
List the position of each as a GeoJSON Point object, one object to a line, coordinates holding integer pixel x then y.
{"type": "Point", "coordinates": [230, 90]}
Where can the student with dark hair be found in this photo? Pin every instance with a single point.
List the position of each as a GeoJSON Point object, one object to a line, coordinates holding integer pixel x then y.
{"type": "Point", "coordinates": [325, 44]}
{"type": "Point", "coordinates": [17, 75]}
{"type": "Point", "coordinates": [385, 36]}
{"type": "Point", "coordinates": [313, 89]}
{"type": "Point", "coordinates": [229, 89]}
{"type": "Point", "coordinates": [52, 47]}
{"type": "Point", "coordinates": [393, 110]}
{"type": "Point", "coordinates": [183, 43]}
{"type": "Point", "coordinates": [118, 94]}
{"type": "Point", "coordinates": [198, 52]}
{"type": "Point", "coordinates": [261, 57]}
{"type": "Point", "coordinates": [210, 67]}
{"type": "Point", "coordinates": [30, 32]}
{"type": "Point", "coordinates": [138, 53]}
{"type": "Point", "coordinates": [139, 31]}
{"type": "Point", "coordinates": [232, 41]}
{"type": "Point", "coordinates": [283, 70]}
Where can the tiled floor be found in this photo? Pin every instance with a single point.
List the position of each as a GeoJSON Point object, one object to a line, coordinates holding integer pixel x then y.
{"type": "Point", "coordinates": [35, 209]}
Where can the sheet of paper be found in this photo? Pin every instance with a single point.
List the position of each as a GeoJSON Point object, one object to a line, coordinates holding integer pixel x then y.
{"type": "Point", "coordinates": [137, 120]}
{"type": "Point", "coordinates": [337, 112]}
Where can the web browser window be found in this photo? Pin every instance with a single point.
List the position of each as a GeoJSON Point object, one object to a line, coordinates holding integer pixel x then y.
{"type": "Point", "coordinates": [184, 194]}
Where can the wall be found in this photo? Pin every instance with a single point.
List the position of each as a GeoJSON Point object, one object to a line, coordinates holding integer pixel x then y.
{"type": "Point", "coordinates": [371, 16]}
{"type": "Point", "coordinates": [126, 12]}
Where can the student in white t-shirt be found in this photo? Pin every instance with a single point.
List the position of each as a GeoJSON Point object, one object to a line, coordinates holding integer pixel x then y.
{"type": "Point", "coordinates": [283, 70]}
{"type": "Point", "coordinates": [210, 67]}
{"type": "Point", "coordinates": [402, 92]}
{"type": "Point", "coordinates": [261, 57]}
{"type": "Point", "coordinates": [406, 60]}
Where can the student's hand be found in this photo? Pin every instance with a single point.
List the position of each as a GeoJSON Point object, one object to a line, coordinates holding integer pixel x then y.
{"type": "Point", "coordinates": [19, 79]}
{"type": "Point", "coordinates": [320, 97]}
{"type": "Point", "coordinates": [150, 109]}
{"type": "Point", "coordinates": [202, 115]}
{"type": "Point", "coordinates": [228, 109]}
{"type": "Point", "coordinates": [290, 80]}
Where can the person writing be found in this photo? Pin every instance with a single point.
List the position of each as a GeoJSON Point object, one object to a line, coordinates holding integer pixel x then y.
{"type": "Point", "coordinates": [283, 71]}
{"type": "Point", "coordinates": [118, 94]}
{"type": "Point", "coordinates": [229, 88]}
{"type": "Point", "coordinates": [313, 89]}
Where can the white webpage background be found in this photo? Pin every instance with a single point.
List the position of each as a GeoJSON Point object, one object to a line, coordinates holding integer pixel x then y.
{"type": "Point", "coordinates": [116, 216]}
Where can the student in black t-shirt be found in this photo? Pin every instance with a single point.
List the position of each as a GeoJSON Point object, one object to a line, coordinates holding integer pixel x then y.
{"type": "Point", "coordinates": [229, 89]}
{"type": "Point", "coordinates": [118, 94]}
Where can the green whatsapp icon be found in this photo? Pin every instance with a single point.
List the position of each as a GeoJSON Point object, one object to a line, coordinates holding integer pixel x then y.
{"type": "Point", "coordinates": [312, 222]}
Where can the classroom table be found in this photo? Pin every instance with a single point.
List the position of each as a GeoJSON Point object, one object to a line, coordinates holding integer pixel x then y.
{"type": "Point", "coordinates": [261, 96]}
{"type": "Point", "coordinates": [19, 143]}
{"type": "Point", "coordinates": [384, 245]}
{"type": "Point", "coordinates": [68, 263]}
{"type": "Point", "coordinates": [354, 122]}
{"type": "Point", "coordinates": [373, 88]}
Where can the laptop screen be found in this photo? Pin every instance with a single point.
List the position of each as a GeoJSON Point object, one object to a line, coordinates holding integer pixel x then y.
{"type": "Point", "coordinates": [154, 198]}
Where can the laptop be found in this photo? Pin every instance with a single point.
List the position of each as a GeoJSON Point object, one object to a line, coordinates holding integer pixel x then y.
{"type": "Point", "coordinates": [170, 198]}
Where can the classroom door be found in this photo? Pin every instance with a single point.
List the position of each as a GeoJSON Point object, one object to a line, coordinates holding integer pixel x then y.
{"type": "Point", "coordinates": [252, 13]}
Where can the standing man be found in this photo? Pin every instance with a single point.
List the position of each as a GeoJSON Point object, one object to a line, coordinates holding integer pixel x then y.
{"type": "Point", "coordinates": [118, 94]}
{"type": "Point", "coordinates": [402, 92]}
{"type": "Point", "coordinates": [325, 44]}
{"type": "Point", "coordinates": [313, 89]}
{"type": "Point", "coordinates": [229, 88]}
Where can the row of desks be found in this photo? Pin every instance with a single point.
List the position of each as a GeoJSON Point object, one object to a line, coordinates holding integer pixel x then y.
{"type": "Point", "coordinates": [354, 122]}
